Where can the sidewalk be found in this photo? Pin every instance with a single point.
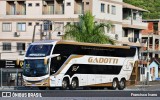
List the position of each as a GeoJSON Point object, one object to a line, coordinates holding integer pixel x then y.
{"type": "Point", "coordinates": [17, 88]}
{"type": "Point", "coordinates": [149, 83]}
{"type": "Point", "coordinates": [143, 85]}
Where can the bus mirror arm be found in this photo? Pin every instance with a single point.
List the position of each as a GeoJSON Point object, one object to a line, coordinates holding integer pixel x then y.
{"type": "Point", "coordinates": [46, 58]}
{"type": "Point", "coordinates": [54, 55]}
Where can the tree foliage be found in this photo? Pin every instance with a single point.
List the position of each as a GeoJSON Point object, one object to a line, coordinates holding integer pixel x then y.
{"type": "Point", "coordinates": [87, 30]}
{"type": "Point", "coordinates": [153, 6]}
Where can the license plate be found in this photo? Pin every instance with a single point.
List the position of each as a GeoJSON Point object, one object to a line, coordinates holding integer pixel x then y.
{"type": "Point", "coordinates": [33, 85]}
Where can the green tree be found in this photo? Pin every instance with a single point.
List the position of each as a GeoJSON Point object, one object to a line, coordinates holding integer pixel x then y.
{"type": "Point", "coordinates": [151, 5]}
{"type": "Point", "coordinates": [86, 30]}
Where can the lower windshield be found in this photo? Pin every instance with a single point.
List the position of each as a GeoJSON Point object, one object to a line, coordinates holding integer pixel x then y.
{"type": "Point", "coordinates": [35, 68]}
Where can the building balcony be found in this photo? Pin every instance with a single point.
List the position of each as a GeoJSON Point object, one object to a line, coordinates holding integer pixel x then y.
{"type": "Point", "coordinates": [48, 12]}
{"type": "Point", "coordinates": [59, 12]}
{"type": "Point", "coordinates": [134, 24]}
{"type": "Point", "coordinates": [15, 8]}
{"type": "Point", "coordinates": [129, 39]}
{"type": "Point", "coordinates": [15, 13]}
{"type": "Point", "coordinates": [78, 12]}
{"type": "Point", "coordinates": [156, 48]}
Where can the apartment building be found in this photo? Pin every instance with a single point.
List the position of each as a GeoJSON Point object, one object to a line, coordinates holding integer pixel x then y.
{"type": "Point", "coordinates": [19, 19]}
{"type": "Point", "coordinates": [132, 24]}
{"type": "Point", "coordinates": [152, 38]}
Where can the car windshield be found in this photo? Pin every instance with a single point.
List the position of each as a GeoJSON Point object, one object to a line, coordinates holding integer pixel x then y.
{"type": "Point", "coordinates": [35, 68]}
{"type": "Point", "coordinates": [39, 50]}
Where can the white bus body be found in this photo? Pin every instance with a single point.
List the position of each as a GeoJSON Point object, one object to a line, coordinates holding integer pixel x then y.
{"type": "Point", "coordinates": [73, 64]}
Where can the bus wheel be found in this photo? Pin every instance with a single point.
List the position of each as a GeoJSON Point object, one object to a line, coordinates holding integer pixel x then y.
{"type": "Point", "coordinates": [74, 84]}
{"type": "Point", "coordinates": [64, 84]}
{"type": "Point", "coordinates": [42, 88]}
{"type": "Point", "coordinates": [114, 84]}
{"type": "Point", "coordinates": [122, 84]}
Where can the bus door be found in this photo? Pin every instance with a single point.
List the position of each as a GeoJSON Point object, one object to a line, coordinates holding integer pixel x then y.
{"type": "Point", "coordinates": [128, 66]}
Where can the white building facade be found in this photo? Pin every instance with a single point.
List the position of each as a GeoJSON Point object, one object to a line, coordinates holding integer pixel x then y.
{"type": "Point", "coordinates": [19, 19]}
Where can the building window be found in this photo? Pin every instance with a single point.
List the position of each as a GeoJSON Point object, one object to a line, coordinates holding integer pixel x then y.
{"type": "Point", "coordinates": [29, 4]}
{"type": "Point", "coordinates": [68, 4]}
{"type": "Point", "coordinates": [102, 7]}
{"type": "Point", "coordinates": [6, 27]}
{"type": "Point", "coordinates": [37, 4]}
{"type": "Point", "coordinates": [108, 9]}
{"type": "Point", "coordinates": [87, 3]}
{"type": "Point", "coordinates": [68, 23]}
{"type": "Point", "coordinates": [47, 26]}
{"type": "Point", "coordinates": [134, 16]}
{"type": "Point", "coordinates": [113, 9]}
{"type": "Point", "coordinates": [6, 46]}
{"type": "Point", "coordinates": [21, 27]}
{"type": "Point", "coordinates": [37, 23]}
{"type": "Point", "coordinates": [126, 33]}
{"type": "Point", "coordinates": [30, 24]}
{"type": "Point", "coordinates": [20, 46]}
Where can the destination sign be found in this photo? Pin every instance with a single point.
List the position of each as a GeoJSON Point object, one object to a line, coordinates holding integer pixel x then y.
{"type": "Point", "coordinates": [37, 55]}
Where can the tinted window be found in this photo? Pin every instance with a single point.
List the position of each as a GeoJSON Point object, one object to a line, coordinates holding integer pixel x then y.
{"type": "Point", "coordinates": [67, 49]}
{"type": "Point", "coordinates": [93, 69]}
{"type": "Point", "coordinates": [39, 50]}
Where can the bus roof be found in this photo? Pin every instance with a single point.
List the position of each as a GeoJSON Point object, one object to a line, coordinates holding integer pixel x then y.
{"type": "Point", "coordinates": [92, 44]}
{"type": "Point", "coordinates": [79, 43]}
{"type": "Point", "coordinates": [44, 41]}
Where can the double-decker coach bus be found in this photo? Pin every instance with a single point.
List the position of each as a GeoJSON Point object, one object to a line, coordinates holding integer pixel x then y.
{"type": "Point", "coordinates": [70, 65]}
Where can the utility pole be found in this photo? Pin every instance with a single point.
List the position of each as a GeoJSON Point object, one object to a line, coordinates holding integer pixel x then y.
{"type": "Point", "coordinates": [147, 78]}
{"type": "Point", "coordinates": [34, 30]}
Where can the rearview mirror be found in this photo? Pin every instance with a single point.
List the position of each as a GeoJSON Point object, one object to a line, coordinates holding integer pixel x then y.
{"type": "Point", "coordinates": [17, 62]}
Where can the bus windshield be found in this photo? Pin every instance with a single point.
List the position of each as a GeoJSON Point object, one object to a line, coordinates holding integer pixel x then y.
{"type": "Point", "coordinates": [39, 50]}
{"type": "Point", "coordinates": [35, 68]}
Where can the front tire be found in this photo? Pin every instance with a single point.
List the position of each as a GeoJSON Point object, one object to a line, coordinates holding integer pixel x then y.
{"type": "Point", "coordinates": [114, 84]}
{"type": "Point", "coordinates": [64, 84]}
{"type": "Point", "coordinates": [74, 84]}
{"type": "Point", "coordinates": [122, 84]}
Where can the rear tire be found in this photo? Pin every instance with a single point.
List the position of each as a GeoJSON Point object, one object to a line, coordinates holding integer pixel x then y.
{"type": "Point", "coordinates": [122, 84]}
{"type": "Point", "coordinates": [74, 84]}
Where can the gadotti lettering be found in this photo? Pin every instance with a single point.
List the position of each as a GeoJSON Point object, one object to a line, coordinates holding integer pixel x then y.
{"type": "Point", "coordinates": [103, 60]}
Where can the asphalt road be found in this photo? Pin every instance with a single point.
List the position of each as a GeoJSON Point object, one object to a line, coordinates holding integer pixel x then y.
{"type": "Point", "coordinates": [139, 92]}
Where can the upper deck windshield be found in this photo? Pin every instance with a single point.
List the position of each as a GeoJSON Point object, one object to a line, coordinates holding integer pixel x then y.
{"type": "Point", "coordinates": [41, 50]}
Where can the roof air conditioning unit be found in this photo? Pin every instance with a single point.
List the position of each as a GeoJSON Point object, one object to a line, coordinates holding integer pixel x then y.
{"type": "Point", "coordinates": [16, 34]}
{"type": "Point", "coordinates": [44, 3]}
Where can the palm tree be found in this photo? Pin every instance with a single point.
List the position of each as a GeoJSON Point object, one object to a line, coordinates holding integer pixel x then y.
{"type": "Point", "coordinates": [88, 31]}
